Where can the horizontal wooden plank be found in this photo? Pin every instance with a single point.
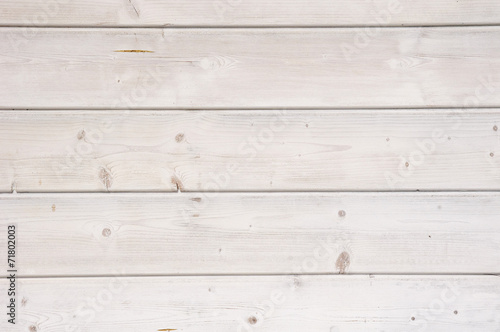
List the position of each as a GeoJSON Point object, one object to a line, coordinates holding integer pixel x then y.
{"type": "Point", "coordinates": [67, 151]}
{"type": "Point", "coordinates": [267, 303]}
{"type": "Point", "coordinates": [248, 12]}
{"type": "Point", "coordinates": [249, 68]}
{"type": "Point", "coordinates": [169, 234]}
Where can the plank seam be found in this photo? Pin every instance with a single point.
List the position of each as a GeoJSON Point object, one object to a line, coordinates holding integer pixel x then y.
{"type": "Point", "coordinates": [228, 275]}
{"type": "Point", "coordinates": [237, 109]}
{"type": "Point", "coordinates": [468, 25]}
{"type": "Point", "coordinates": [319, 192]}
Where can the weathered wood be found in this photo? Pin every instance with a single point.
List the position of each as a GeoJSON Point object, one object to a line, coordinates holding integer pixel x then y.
{"type": "Point", "coordinates": [192, 96]}
{"type": "Point", "coordinates": [248, 12]}
{"type": "Point", "coordinates": [67, 151]}
{"type": "Point", "coordinates": [249, 68]}
{"type": "Point", "coordinates": [265, 303]}
{"type": "Point", "coordinates": [169, 234]}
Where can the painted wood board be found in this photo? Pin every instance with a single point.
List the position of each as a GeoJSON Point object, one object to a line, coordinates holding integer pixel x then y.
{"type": "Point", "coordinates": [253, 233]}
{"type": "Point", "coordinates": [249, 68]}
{"type": "Point", "coordinates": [261, 303]}
{"type": "Point", "coordinates": [287, 150]}
{"type": "Point", "coordinates": [247, 13]}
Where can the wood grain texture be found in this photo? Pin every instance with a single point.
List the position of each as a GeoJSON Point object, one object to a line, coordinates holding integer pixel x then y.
{"type": "Point", "coordinates": [249, 68]}
{"type": "Point", "coordinates": [68, 151]}
{"type": "Point", "coordinates": [196, 234]}
{"type": "Point", "coordinates": [248, 116]}
{"type": "Point", "coordinates": [247, 12]}
{"type": "Point", "coordinates": [267, 303]}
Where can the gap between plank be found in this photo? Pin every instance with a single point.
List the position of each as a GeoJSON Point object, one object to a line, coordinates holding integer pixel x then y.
{"type": "Point", "coordinates": [237, 109]}
{"type": "Point", "coordinates": [228, 275]}
{"type": "Point", "coordinates": [385, 191]}
{"type": "Point", "coordinates": [170, 27]}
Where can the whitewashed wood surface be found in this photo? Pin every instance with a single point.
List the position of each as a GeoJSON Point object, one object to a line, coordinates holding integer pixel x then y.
{"type": "Point", "coordinates": [246, 68]}
{"type": "Point", "coordinates": [301, 150]}
{"type": "Point", "coordinates": [247, 12]}
{"type": "Point", "coordinates": [261, 303]}
{"type": "Point", "coordinates": [245, 233]}
{"type": "Point", "coordinates": [246, 165]}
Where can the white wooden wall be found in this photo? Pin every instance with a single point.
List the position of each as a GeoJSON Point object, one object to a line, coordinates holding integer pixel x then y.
{"type": "Point", "coordinates": [250, 165]}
